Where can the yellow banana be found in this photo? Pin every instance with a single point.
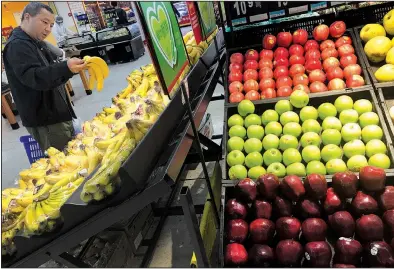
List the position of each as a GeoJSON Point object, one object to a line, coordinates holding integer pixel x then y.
{"type": "Point", "coordinates": [40, 216]}
{"type": "Point", "coordinates": [92, 78]}
{"type": "Point", "coordinates": [27, 200]}
{"type": "Point", "coordinates": [52, 211]}
{"type": "Point", "coordinates": [94, 158]}
{"type": "Point", "coordinates": [100, 63]}
{"type": "Point", "coordinates": [31, 223]}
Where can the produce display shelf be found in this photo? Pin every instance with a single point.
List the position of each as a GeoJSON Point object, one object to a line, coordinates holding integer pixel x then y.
{"type": "Point", "coordinates": [386, 101]}
{"type": "Point", "coordinates": [243, 50]}
{"type": "Point", "coordinates": [370, 66]}
{"type": "Point", "coordinates": [366, 93]}
{"type": "Point", "coordinates": [227, 193]}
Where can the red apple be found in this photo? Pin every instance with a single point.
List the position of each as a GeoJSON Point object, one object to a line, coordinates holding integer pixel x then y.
{"type": "Point", "coordinates": [321, 32]}
{"type": "Point", "coordinates": [284, 91]}
{"type": "Point", "coordinates": [261, 209]}
{"type": "Point", "coordinates": [369, 228]}
{"type": "Point", "coordinates": [235, 255]}
{"type": "Point", "coordinates": [334, 72]}
{"type": "Point", "coordinates": [312, 65]}
{"type": "Point", "coordinates": [301, 87]}
{"type": "Point", "coordinates": [342, 223]}
{"type": "Point", "coordinates": [314, 229]}
{"type": "Point", "coordinates": [316, 186]}
{"type": "Point", "coordinates": [266, 54]}
{"type": "Point", "coordinates": [281, 71]}
{"type": "Point", "coordinates": [347, 60]}
{"type": "Point", "coordinates": [318, 86]}
{"type": "Point", "coordinates": [281, 52]}
{"type": "Point", "coordinates": [311, 44]}
{"type": "Point", "coordinates": [236, 67]}
{"type": "Point", "coordinates": [252, 95]}
{"type": "Point", "coordinates": [251, 64]}
{"type": "Point", "coordinates": [237, 58]}
{"type": "Point", "coordinates": [312, 54]}
{"type": "Point", "coordinates": [292, 187]}
{"type": "Point", "coordinates": [250, 74]}
{"type": "Point", "coordinates": [265, 63]}
{"type": "Point", "coordinates": [300, 36]}
{"type": "Point", "coordinates": [235, 76]}
{"type": "Point", "coordinates": [288, 228]}
{"type": "Point", "coordinates": [281, 61]}
{"type": "Point", "coordinates": [251, 85]}
{"type": "Point", "coordinates": [266, 83]}
{"type": "Point", "coordinates": [332, 202]}
{"type": "Point", "coordinates": [300, 79]}
{"type": "Point", "coordinates": [345, 184]}
{"type": "Point", "coordinates": [236, 86]}
{"type": "Point", "coordinates": [317, 75]}
{"type": "Point", "coordinates": [296, 49]}
{"type": "Point", "coordinates": [345, 50]}
{"type": "Point", "coordinates": [252, 55]}
{"type": "Point", "coordinates": [296, 69]}
{"type": "Point", "coordinates": [364, 204]}
{"type": "Point", "coordinates": [269, 42]}
{"type": "Point", "coordinates": [268, 93]}
{"type": "Point", "coordinates": [351, 69]}
{"type": "Point", "coordinates": [284, 39]}
{"type": "Point", "coordinates": [330, 62]}
{"type": "Point", "coordinates": [296, 59]}
{"type": "Point", "coordinates": [372, 178]}
{"type": "Point", "coordinates": [336, 84]}
{"type": "Point", "coordinates": [355, 81]}
{"type": "Point", "coordinates": [283, 81]}
{"type": "Point", "coordinates": [342, 41]}
{"type": "Point", "coordinates": [337, 29]}
{"type": "Point", "coordinates": [236, 97]}
{"type": "Point", "coordinates": [329, 52]}
{"type": "Point", "coordinates": [386, 199]}
{"type": "Point", "coordinates": [237, 230]}
{"type": "Point", "coordinates": [267, 186]}
{"type": "Point", "coordinates": [261, 231]}
{"type": "Point", "coordinates": [266, 72]}
{"type": "Point", "coordinates": [327, 44]}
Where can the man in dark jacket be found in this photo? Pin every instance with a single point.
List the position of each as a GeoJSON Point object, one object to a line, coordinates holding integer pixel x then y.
{"type": "Point", "coordinates": [37, 80]}
{"type": "Point", "coordinates": [121, 16]}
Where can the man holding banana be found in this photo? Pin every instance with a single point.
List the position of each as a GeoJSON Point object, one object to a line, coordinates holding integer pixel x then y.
{"type": "Point", "coordinates": [37, 80]}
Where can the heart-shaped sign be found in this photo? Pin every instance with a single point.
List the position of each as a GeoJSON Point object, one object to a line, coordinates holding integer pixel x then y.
{"type": "Point", "coordinates": [161, 31]}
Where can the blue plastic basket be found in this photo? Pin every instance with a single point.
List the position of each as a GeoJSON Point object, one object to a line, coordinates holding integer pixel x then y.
{"type": "Point", "coordinates": [32, 148]}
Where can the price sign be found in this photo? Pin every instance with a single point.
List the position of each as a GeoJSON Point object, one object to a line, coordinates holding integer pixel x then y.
{"type": "Point", "coordinates": [243, 12]}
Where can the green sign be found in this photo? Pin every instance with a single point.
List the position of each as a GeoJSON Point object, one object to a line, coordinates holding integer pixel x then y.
{"type": "Point", "coordinates": [166, 39]}
{"type": "Point", "coordinates": [208, 18]}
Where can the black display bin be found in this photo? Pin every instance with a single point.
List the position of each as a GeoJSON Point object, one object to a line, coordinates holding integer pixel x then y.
{"type": "Point", "coordinates": [323, 98]}
{"type": "Point", "coordinates": [386, 100]}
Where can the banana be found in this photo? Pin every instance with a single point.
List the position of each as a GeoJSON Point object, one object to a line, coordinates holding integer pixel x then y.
{"type": "Point", "coordinates": [22, 184]}
{"type": "Point", "coordinates": [31, 224]}
{"type": "Point", "coordinates": [25, 201]}
{"type": "Point", "coordinates": [92, 78]}
{"type": "Point", "coordinates": [52, 211]}
{"type": "Point", "coordinates": [56, 177]}
{"type": "Point", "coordinates": [99, 62]}
{"type": "Point", "coordinates": [143, 88]}
{"type": "Point", "coordinates": [94, 158]}
{"type": "Point", "coordinates": [72, 177]}
{"type": "Point", "coordinates": [41, 217]}
{"type": "Point", "coordinates": [126, 91]}
{"type": "Point", "coordinates": [86, 197]}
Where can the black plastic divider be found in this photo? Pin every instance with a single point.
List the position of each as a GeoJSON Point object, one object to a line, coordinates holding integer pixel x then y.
{"type": "Point", "coordinates": [385, 94]}
{"type": "Point", "coordinates": [366, 93]}
{"type": "Point", "coordinates": [243, 50]}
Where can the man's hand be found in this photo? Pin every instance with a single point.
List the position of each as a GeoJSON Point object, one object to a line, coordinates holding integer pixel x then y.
{"type": "Point", "coordinates": [75, 65]}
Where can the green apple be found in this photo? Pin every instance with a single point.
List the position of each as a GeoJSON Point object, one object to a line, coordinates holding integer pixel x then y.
{"type": "Point", "coordinates": [310, 138]}
{"type": "Point", "coordinates": [237, 130]}
{"type": "Point", "coordinates": [354, 147]}
{"type": "Point", "coordinates": [315, 167]}
{"type": "Point", "coordinates": [297, 169]}
{"type": "Point", "coordinates": [330, 152]}
{"type": "Point", "coordinates": [326, 110]}
{"type": "Point", "coordinates": [335, 165]}
{"type": "Point", "coordinates": [289, 116]}
{"type": "Point", "coordinates": [291, 156]}
{"type": "Point", "coordinates": [371, 132]}
{"type": "Point", "coordinates": [268, 116]}
{"type": "Point", "coordinates": [308, 113]}
{"type": "Point", "coordinates": [380, 160]}
{"type": "Point", "coordinates": [235, 157]}
{"type": "Point", "coordinates": [356, 162]}
{"type": "Point", "coordinates": [288, 141]}
{"type": "Point", "coordinates": [253, 159]}
{"type": "Point", "coordinates": [311, 126]}
{"type": "Point", "coordinates": [235, 120]}
{"type": "Point", "coordinates": [375, 146]}
{"type": "Point", "coordinates": [331, 136]}
{"type": "Point", "coordinates": [272, 156]}
{"type": "Point", "coordinates": [311, 153]}
{"type": "Point", "coordinates": [237, 172]}
{"type": "Point", "coordinates": [292, 128]}
{"type": "Point", "coordinates": [252, 119]}
{"type": "Point", "coordinates": [350, 131]}
{"type": "Point", "coordinates": [299, 98]}
{"type": "Point", "coordinates": [283, 106]}
{"type": "Point", "coordinates": [235, 143]}
{"type": "Point", "coordinates": [362, 106]}
{"type": "Point", "coordinates": [245, 107]}
{"type": "Point", "coordinates": [348, 116]}
{"type": "Point", "coordinates": [277, 169]}
{"type": "Point", "coordinates": [270, 141]}
{"type": "Point", "coordinates": [274, 128]}
{"type": "Point", "coordinates": [255, 172]}
{"type": "Point", "coordinates": [368, 118]}
{"type": "Point", "coordinates": [332, 123]}
{"type": "Point", "coordinates": [343, 102]}
{"type": "Point", "coordinates": [253, 145]}
{"type": "Point", "coordinates": [255, 131]}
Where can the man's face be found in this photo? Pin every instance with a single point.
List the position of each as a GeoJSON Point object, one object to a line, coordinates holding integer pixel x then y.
{"type": "Point", "coordinates": [41, 25]}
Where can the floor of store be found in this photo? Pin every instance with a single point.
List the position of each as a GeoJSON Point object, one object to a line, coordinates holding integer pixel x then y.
{"type": "Point", "coordinates": [174, 247]}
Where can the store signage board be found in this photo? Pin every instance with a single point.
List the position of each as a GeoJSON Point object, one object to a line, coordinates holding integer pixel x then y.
{"type": "Point", "coordinates": [195, 22]}
{"type": "Point", "coordinates": [166, 41]}
{"type": "Point", "coordinates": [208, 18]}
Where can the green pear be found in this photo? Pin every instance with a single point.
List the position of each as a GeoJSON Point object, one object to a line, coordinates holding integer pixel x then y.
{"type": "Point", "coordinates": [385, 73]}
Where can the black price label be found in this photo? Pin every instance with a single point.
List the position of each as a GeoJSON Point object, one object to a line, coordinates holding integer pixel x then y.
{"type": "Point", "coordinates": [242, 12]}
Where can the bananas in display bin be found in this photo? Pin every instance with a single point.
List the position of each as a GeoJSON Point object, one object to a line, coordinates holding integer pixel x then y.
{"type": "Point", "coordinates": [98, 71]}
{"type": "Point", "coordinates": [195, 50]}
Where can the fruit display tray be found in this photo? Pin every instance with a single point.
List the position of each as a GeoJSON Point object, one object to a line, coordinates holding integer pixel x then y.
{"type": "Point", "coordinates": [228, 192]}
{"type": "Point", "coordinates": [386, 100]}
{"type": "Point", "coordinates": [315, 102]}
{"type": "Point", "coordinates": [243, 50]}
{"type": "Point", "coordinates": [370, 66]}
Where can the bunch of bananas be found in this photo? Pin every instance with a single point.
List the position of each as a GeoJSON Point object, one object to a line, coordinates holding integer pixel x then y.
{"type": "Point", "coordinates": [11, 225]}
{"type": "Point", "coordinates": [98, 71]}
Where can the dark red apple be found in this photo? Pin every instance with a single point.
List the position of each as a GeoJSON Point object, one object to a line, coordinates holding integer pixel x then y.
{"type": "Point", "coordinates": [266, 83]}
{"type": "Point", "coordinates": [268, 93]}
{"type": "Point", "coordinates": [309, 209]}
{"type": "Point", "coordinates": [329, 52]}
{"type": "Point", "coordinates": [351, 69]}
{"type": "Point", "coordinates": [288, 228]}
{"type": "Point", "coordinates": [267, 54]}
{"type": "Point", "coordinates": [281, 52]}
{"type": "Point", "coordinates": [332, 202]}
{"type": "Point", "coordinates": [251, 64]}
{"type": "Point", "coordinates": [284, 91]}
{"type": "Point", "coordinates": [341, 265]}
{"type": "Point", "coordinates": [334, 72]}
{"type": "Point", "coordinates": [235, 255]}
{"type": "Point", "coordinates": [269, 42]}
{"type": "Point", "coordinates": [364, 204]}
{"type": "Point", "coordinates": [281, 61]}
{"type": "Point", "coordinates": [289, 253]}
{"type": "Point", "coordinates": [261, 256]}
{"type": "Point", "coordinates": [321, 32]}
{"type": "Point", "coordinates": [318, 254]}
{"type": "Point", "coordinates": [317, 75]}
{"type": "Point", "coordinates": [372, 178]}
{"type": "Point", "coordinates": [355, 81]}
{"type": "Point", "coordinates": [315, 186]}
{"type": "Point", "coordinates": [296, 59]}
{"type": "Point", "coordinates": [312, 65]}
{"type": "Point", "coordinates": [267, 186]}
{"type": "Point", "coordinates": [386, 199]}
{"type": "Point", "coordinates": [261, 231]}
{"type": "Point", "coordinates": [311, 44]}
{"type": "Point", "coordinates": [283, 81]}
{"type": "Point", "coordinates": [342, 41]}
{"type": "Point", "coordinates": [252, 55]}
{"type": "Point", "coordinates": [292, 187]}
{"type": "Point", "coordinates": [235, 76]}
{"type": "Point", "coordinates": [342, 223]}
{"type": "Point", "coordinates": [237, 230]}
{"type": "Point", "coordinates": [300, 79]}
{"type": "Point", "coordinates": [251, 74]}
{"type": "Point", "coordinates": [388, 219]}
{"type": "Point", "coordinates": [345, 50]}
{"type": "Point", "coordinates": [318, 86]}
{"type": "Point", "coordinates": [236, 67]}
{"type": "Point", "coordinates": [282, 207]}
{"type": "Point", "coordinates": [264, 62]}
{"type": "Point", "coordinates": [262, 209]}
{"type": "Point", "coordinates": [369, 228]}
{"type": "Point", "coordinates": [300, 36]}
{"type": "Point", "coordinates": [266, 72]}
{"type": "Point", "coordinates": [246, 190]}
{"type": "Point", "coordinates": [296, 69]}
{"type": "Point", "coordinates": [284, 39]}
{"type": "Point", "coordinates": [281, 71]}
{"type": "Point", "coordinates": [237, 58]}
{"type": "Point", "coordinates": [314, 229]}
{"type": "Point", "coordinates": [236, 209]}
{"type": "Point", "coordinates": [378, 254]}
{"type": "Point", "coordinates": [296, 49]}
{"type": "Point", "coordinates": [348, 60]}
{"type": "Point", "coordinates": [330, 62]}
{"type": "Point", "coordinates": [327, 44]}
{"type": "Point", "coordinates": [348, 251]}
{"type": "Point", "coordinates": [337, 29]}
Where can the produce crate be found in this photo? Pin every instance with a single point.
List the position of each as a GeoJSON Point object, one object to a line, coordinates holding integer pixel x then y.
{"type": "Point", "coordinates": [243, 50]}
{"type": "Point", "coordinates": [316, 101]}
{"type": "Point", "coordinates": [370, 66]}
{"type": "Point", "coordinates": [386, 101]}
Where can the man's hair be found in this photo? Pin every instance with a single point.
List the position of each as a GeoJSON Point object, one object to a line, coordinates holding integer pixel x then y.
{"type": "Point", "coordinates": [33, 8]}
{"type": "Point", "coordinates": [114, 3]}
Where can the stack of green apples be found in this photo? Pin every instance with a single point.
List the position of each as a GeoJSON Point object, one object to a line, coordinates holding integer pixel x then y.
{"type": "Point", "coordinates": [297, 139]}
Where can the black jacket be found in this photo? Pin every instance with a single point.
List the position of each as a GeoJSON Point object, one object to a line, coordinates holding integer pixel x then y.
{"type": "Point", "coordinates": [36, 81]}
